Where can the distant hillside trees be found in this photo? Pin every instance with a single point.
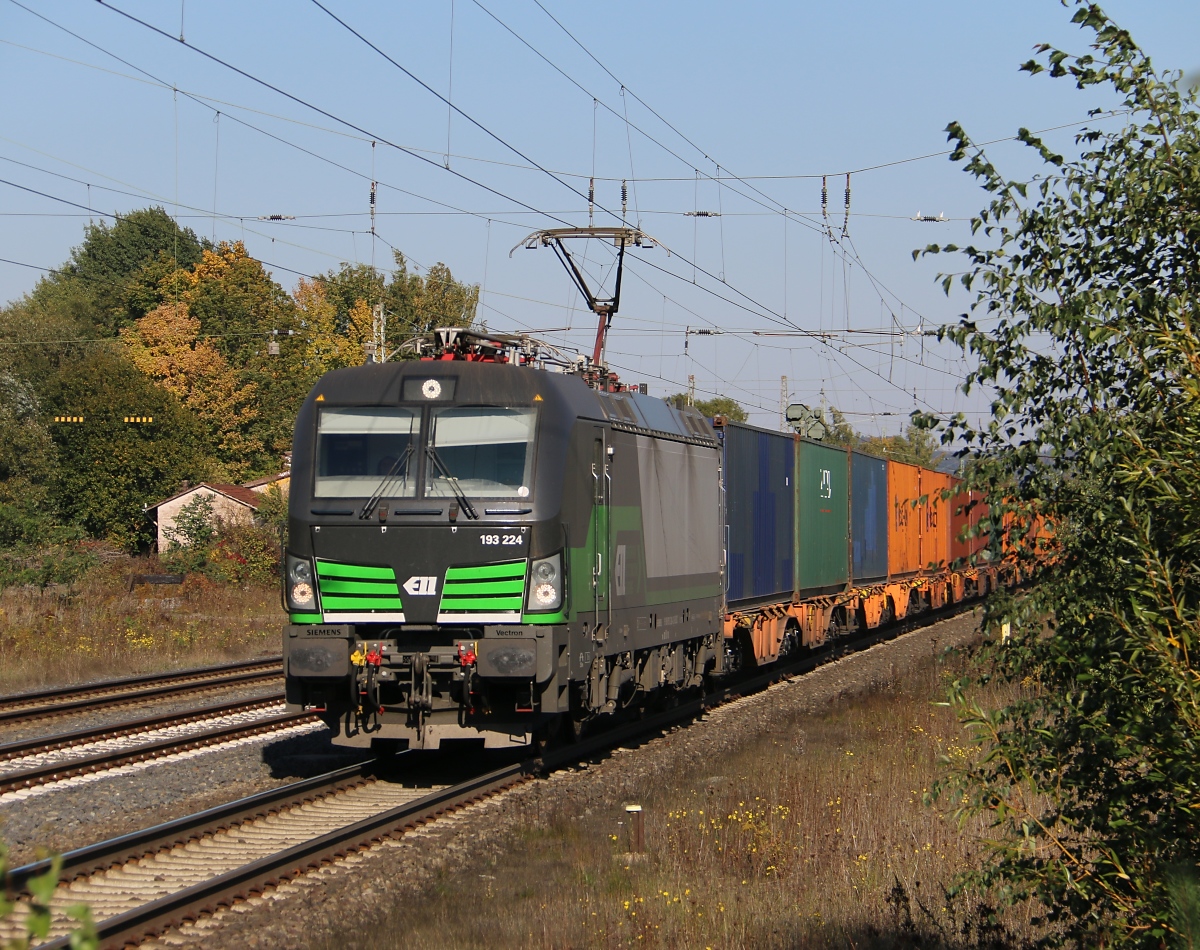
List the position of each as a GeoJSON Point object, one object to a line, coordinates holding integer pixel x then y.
{"type": "Point", "coordinates": [147, 320]}
{"type": "Point", "coordinates": [725, 406]}
{"type": "Point", "coordinates": [917, 446]}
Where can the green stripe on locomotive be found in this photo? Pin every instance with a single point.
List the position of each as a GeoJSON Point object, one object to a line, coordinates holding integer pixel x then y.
{"type": "Point", "coordinates": [357, 588]}
{"type": "Point", "coordinates": [623, 520]}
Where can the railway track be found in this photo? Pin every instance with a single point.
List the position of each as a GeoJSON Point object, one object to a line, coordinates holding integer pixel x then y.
{"type": "Point", "coordinates": [135, 689]}
{"type": "Point", "coordinates": [28, 763]}
{"type": "Point", "coordinates": [144, 883]}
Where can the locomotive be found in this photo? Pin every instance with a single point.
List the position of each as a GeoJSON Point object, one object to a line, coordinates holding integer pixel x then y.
{"type": "Point", "coordinates": [480, 548]}
{"type": "Point", "coordinates": [484, 548]}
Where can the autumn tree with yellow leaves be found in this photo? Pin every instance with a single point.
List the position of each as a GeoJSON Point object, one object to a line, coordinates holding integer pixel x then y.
{"type": "Point", "coordinates": [160, 323]}
{"type": "Point", "coordinates": [165, 346]}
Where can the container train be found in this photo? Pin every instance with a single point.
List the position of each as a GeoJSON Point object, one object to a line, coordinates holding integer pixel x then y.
{"type": "Point", "coordinates": [482, 548]}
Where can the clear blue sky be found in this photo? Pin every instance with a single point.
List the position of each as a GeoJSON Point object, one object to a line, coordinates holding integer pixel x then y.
{"type": "Point", "coordinates": [763, 89]}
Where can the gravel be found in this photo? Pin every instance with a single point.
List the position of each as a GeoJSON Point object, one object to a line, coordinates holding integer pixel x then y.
{"type": "Point", "coordinates": [115, 715]}
{"type": "Point", "coordinates": [325, 907]}
{"type": "Point", "coordinates": [78, 813]}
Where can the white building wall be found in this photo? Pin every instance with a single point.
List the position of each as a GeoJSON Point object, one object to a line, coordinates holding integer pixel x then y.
{"type": "Point", "coordinates": [224, 509]}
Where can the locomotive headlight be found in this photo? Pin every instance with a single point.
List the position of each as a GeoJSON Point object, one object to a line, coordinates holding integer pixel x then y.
{"type": "Point", "coordinates": [299, 584]}
{"type": "Point", "coordinates": [300, 571]}
{"type": "Point", "coordinates": [545, 584]}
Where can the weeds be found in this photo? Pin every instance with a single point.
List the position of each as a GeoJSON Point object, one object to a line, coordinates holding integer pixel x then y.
{"type": "Point", "coordinates": [97, 626]}
{"type": "Point", "coordinates": [815, 835]}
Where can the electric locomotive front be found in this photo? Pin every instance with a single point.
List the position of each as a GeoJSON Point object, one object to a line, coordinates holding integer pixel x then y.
{"type": "Point", "coordinates": [425, 576]}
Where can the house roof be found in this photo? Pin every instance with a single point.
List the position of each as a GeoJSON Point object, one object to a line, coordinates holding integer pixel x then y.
{"type": "Point", "coordinates": [270, 479]}
{"type": "Point", "coordinates": [246, 496]}
{"type": "Point", "coordinates": [239, 493]}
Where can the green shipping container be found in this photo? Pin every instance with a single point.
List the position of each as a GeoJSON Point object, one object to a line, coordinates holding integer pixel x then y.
{"type": "Point", "coordinates": [822, 518]}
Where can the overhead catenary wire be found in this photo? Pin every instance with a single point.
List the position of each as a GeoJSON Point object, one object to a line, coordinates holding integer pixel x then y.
{"type": "Point", "coordinates": [200, 101]}
{"type": "Point", "coordinates": [532, 210]}
{"type": "Point", "coordinates": [321, 111]}
{"type": "Point", "coordinates": [558, 171]}
{"type": "Point", "coordinates": [623, 87]}
{"type": "Point", "coordinates": [538, 211]}
{"type": "Point", "coordinates": [300, 101]}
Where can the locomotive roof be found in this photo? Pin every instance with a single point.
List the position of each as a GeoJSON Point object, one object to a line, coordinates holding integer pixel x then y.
{"type": "Point", "coordinates": [487, 383]}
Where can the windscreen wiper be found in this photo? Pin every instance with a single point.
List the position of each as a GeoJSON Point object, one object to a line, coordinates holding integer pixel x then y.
{"type": "Point", "coordinates": [459, 494]}
{"type": "Point", "coordinates": [400, 465]}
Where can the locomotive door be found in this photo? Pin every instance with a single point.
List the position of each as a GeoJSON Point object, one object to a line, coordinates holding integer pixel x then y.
{"type": "Point", "coordinates": [600, 549]}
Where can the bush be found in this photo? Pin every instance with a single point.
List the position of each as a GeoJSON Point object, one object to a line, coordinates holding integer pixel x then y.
{"type": "Point", "coordinates": [229, 551]}
{"type": "Point", "coordinates": [1084, 335]}
{"type": "Point", "coordinates": [44, 565]}
{"type": "Point", "coordinates": [244, 554]}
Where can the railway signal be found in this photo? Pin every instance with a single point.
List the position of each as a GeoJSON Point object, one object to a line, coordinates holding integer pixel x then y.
{"type": "Point", "coordinates": [807, 422]}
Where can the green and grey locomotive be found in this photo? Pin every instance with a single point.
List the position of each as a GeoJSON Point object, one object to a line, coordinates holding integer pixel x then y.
{"type": "Point", "coordinates": [485, 548]}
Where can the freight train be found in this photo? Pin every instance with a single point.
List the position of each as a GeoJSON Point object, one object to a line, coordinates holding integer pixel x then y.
{"type": "Point", "coordinates": [486, 546]}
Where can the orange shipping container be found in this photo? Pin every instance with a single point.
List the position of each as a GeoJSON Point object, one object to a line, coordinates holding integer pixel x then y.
{"type": "Point", "coordinates": [904, 526]}
{"type": "Point", "coordinates": [935, 520]}
{"type": "Point", "coordinates": [969, 510]}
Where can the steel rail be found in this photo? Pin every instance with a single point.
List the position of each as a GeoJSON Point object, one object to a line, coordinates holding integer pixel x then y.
{"type": "Point", "coordinates": [137, 844]}
{"type": "Point", "coordinates": [169, 911]}
{"type": "Point", "coordinates": [65, 740]}
{"type": "Point", "coordinates": [58, 692]}
{"type": "Point", "coordinates": [103, 761]}
{"type": "Point", "coordinates": [177, 908]}
{"type": "Point", "coordinates": [135, 696]}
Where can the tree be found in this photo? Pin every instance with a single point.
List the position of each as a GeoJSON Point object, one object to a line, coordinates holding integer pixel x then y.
{"type": "Point", "coordinates": [352, 283]}
{"type": "Point", "coordinates": [1088, 275]}
{"type": "Point", "coordinates": [237, 303]}
{"type": "Point", "coordinates": [717, 406]}
{"type": "Point", "coordinates": [414, 305]}
{"type": "Point", "coordinates": [101, 268]}
{"type": "Point", "coordinates": [110, 469]}
{"type": "Point", "coordinates": [839, 432]}
{"type": "Point", "coordinates": [917, 446]}
{"type": "Point", "coordinates": [165, 347]}
{"type": "Point", "coordinates": [331, 341]}
{"type": "Point", "coordinates": [27, 467]}
{"type": "Point", "coordinates": [436, 300]}
{"type": "Point", "coordinates": [195, 524]}
{"type": "Point", "coordinates": [241, 310]}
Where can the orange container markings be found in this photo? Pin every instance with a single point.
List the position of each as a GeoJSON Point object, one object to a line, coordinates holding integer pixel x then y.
{"type": "Point", "coordinates": [969, 510]}
{"type": "Point", "coordinates": [904, 523]}
{"type": "Point", "coordinates": [935, 520]}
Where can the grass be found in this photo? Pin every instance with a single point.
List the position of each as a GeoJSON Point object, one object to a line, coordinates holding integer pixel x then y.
{"type": "Point", "coordinates": [816, 835]}
{"type": "Point", "coordinates": [97, 628]}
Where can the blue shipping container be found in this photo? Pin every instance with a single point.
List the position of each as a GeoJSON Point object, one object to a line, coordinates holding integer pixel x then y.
{"type": "Point", "coordinates": [868, 517]}
{"type": "Point", "coordinates": [759, 497]}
